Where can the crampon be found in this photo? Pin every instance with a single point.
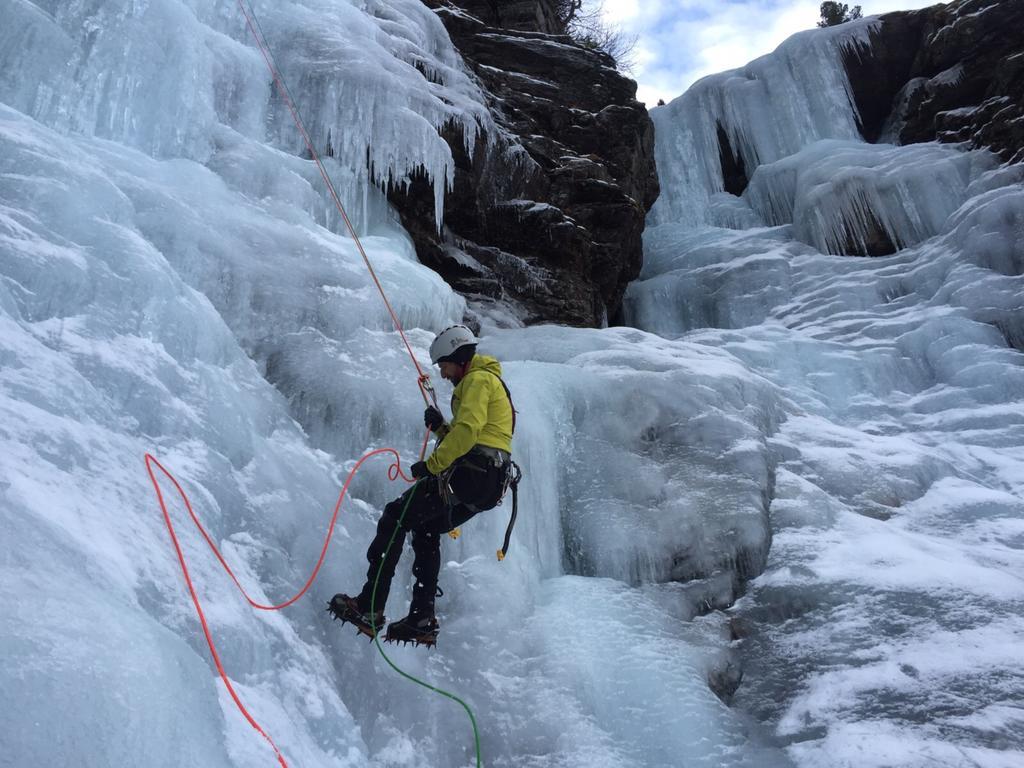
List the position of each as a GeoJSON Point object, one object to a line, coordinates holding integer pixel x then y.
{"type": "Point", "coordinates": [346, 609]}
{"type": "Point", "coordinates": [419, 631]}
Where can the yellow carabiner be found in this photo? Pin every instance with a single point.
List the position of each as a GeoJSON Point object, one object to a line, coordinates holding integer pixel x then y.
{"type": "Point", "coordinates": [455, 533]}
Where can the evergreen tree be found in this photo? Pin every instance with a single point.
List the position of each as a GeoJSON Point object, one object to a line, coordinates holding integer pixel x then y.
{"type": "Point", "coordinates": [837, 13]}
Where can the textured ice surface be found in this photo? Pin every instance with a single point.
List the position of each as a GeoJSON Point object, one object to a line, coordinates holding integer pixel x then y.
{"type": "Point", "coordinates": [767, 110]}
{"type": "Point", "coordinates": [373, 80]}
{"type": "Point", "coordinates": [647, 424]}
{"type": "Point", "coordinates": [172, 280]}
{"type": "Point", "coordinates": [851, 197]}
{"type": "Point", "coordinates": [885, 627]}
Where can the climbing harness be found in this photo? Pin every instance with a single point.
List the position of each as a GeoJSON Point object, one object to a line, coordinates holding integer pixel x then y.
{"type": "Point", "coordinates": [482, 460]}
{"type": "Point", "coordinates": [513, 474]}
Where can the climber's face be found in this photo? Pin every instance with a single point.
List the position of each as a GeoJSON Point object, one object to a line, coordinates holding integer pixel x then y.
{"type": "Point", "coordinates": [450, 371]}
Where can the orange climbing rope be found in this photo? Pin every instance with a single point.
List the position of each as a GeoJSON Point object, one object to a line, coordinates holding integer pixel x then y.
{"type": "Point", "coordinates": [394, 471]}
{"type": "Point", "coordinates": [253, 23]}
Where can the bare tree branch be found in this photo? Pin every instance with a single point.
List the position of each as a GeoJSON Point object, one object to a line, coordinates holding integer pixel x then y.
{"type": "Point", "coordinates": [587, 25]}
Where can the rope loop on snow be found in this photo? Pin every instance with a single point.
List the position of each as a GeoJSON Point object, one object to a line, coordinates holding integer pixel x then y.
{"type": "Point", "coordinates": [394, 472]}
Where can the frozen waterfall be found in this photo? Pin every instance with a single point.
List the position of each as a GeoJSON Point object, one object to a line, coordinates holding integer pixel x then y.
{"type": "Point", "coordinates": [880, 633]}
{"type": "Point", "coordinates": [173, 280]}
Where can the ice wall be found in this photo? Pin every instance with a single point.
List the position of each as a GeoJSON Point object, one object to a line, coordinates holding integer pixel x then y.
{"type": "Point", "coordinates": [109, 351]}
{"type": "Point", "coordinates": [107, 354]}
{"type": "Point", "coordinates": [172, 280]}
{"type": "Point", "coordinates": [786, 123]}
{"type": "Point", "coordinates": [864, 199]}
{"type": "Point", "coordinates": [649, 421]}
{"type": "Point", "coordinates": [164, 251]}
{"type": "Point", "coordinates": [767, 109]}
{"type": "Point", "coordinates": [373, 81]}
{"type": "Point", "coordinates": [878, 633]}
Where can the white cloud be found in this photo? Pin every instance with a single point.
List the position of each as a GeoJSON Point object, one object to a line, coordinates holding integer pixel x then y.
{"type": "Point", "coordinates": [681, 41]}
{"type": "Point", "coordinates": [621, 11]}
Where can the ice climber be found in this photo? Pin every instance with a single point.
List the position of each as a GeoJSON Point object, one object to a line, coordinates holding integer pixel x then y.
{"type": "Point", "coordinates": [468, 472]}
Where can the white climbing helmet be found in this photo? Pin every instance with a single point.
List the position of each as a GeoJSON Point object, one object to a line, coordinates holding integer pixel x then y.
{"type": "Point", "coordinates": [448, 341]}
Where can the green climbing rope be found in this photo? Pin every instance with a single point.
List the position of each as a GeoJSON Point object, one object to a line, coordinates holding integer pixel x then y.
{"type": "Point", "coordinates": [376, 639]}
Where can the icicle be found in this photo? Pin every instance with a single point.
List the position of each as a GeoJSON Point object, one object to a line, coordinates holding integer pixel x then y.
{"type": "Point", "coordinates": [768, 109]}
{"type": "Point", "coordinates": [852, 197]}
{"type": "Point", "coordinates": [379, 78]}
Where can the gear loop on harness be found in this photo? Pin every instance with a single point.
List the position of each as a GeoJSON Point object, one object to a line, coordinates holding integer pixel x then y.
{"type": "Point", "coordinates": [515, 474]}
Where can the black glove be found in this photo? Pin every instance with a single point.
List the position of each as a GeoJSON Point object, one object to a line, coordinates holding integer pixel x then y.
{"type": "Point", "coordinates": [433, 419]}
{"type": "Point", "coordinates": [419, 470]}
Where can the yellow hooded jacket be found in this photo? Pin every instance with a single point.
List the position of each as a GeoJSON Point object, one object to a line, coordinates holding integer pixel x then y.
{"type": "Point", "coordinates": [481, 415]}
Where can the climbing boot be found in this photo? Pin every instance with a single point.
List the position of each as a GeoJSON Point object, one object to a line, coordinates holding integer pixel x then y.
{"type": "Point", "coordinates": [420, 629]}
{"type": "Point", "coordinates": [345, 608]}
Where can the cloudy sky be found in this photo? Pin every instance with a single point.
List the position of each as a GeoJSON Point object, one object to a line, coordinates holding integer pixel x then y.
{"type": "Point", "coordinates": [680, 41]}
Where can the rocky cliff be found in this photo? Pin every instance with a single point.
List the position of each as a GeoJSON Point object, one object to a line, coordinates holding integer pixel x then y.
{"type": "Point", "coordinates": [545, 219]}
{"type": "Point", "coordinates": [952, 72]}
{"type": "Point", "coordinates": [522, 15]}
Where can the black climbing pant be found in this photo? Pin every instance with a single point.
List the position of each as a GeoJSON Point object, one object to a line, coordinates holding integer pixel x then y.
{"type": "Point", "coordinates": [478, 483]}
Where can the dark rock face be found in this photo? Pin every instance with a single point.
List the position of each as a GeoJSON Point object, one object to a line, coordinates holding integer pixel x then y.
{"type": "Point", "coordinates": [951, 72]}
{"type": "Point", "coordinates": [523, 15]}
{"type": "Point", "coordinates": [547, 217]}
